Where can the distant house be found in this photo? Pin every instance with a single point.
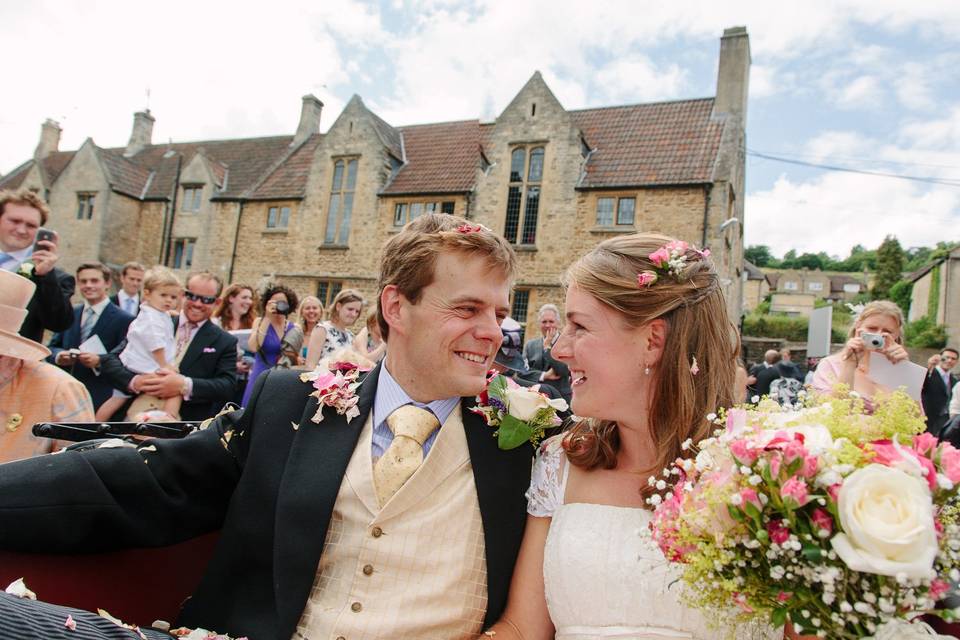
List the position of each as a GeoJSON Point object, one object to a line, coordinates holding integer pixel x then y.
{"type": "Point", "coordinates": [832, 286]}
{"type": "Point", "coordinates": [756, 286]}
{"type": "Point", "coordinates": [936, 294]}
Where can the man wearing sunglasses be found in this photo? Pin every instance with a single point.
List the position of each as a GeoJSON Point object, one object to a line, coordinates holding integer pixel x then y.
{"type": "Point", "coordinates": [206, 355]}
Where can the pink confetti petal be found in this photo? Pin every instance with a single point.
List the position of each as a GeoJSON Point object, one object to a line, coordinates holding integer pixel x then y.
{"type": "Point", "coordinates": [70, 623]}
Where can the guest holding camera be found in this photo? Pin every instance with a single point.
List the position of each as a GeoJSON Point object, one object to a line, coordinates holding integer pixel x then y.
{"type": "Point", "coordinates": [274, 339]}
{"type": "Point", "coordinates": [29, 250]}
{"type": "Point", "coordinates": [877, 332]}
{"type": "Point", "coordinates": [334, 334]}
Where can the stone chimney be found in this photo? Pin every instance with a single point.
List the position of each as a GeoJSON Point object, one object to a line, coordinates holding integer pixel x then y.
{"type": "Point", "coordinates": [733, 76]}
{"type": "Point", "coordinates": [142, 133]}
{"type": "Point", "coordinates": [309, 119]}
{"type": "Point", "coordinates": [49, 139]}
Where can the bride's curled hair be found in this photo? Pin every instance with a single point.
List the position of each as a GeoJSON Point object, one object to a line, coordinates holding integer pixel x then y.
{"type": "Point", "coordinates": [690, 302]}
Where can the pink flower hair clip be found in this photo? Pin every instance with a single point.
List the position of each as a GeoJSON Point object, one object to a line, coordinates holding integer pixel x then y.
{"type": "Point", "coordinates": [466, 228]}
{"type": "Point", "coordinates": [670, 259]}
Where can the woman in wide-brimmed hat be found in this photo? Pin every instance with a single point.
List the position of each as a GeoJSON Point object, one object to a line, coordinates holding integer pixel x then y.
{"type": "Point", "coordinates": [31, 390]}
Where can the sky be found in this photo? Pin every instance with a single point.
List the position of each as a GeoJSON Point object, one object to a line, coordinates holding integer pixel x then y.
{"type": "Point", "coordinates": [869, 86]}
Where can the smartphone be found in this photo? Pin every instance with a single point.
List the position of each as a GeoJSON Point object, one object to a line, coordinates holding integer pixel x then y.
{"type": "Point", "coordinates": [44, 235]}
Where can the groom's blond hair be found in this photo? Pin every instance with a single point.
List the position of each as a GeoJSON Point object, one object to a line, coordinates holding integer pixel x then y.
{"type": "Point", "coordinates": [409, 258]}
{"type": "Point", "coordinates": [697, 326]}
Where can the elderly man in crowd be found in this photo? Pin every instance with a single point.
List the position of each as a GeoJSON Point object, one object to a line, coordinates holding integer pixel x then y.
{"type": "Point", "coordinates": [128, 296]}
{"type": "Point", "coordinates": [22, 213]}
{"type": "Point", "coordinates": [31, 390]}
{"type": "Point", "coordinates": [537, 352]}
{"type": "Point", "coordinates": [206, 357]}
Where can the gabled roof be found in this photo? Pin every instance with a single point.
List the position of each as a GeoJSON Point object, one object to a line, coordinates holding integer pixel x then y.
{"type": "Point", "coordinates": [289, 178]}
{"type": "Point", "coordinates": [650, 144]}
{"type": "Point", "coordinates": [753, 271]}
{"type": "Point", "coordinates": [924, 270]}
{"type": "Point", "coordinates": [837, 282]}
{"type": "Point", "coordinates": [441, 158]}
{"type": "Point", "coordinates": [125, 176]}
{"type": "Point", "coordinates": [52, 166]}
{"type": "Point", "coordinates": [389, 136]}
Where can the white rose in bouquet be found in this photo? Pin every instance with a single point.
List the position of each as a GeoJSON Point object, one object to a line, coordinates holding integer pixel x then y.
{"type": "Point", "coordinates": [888, 523]}
{"type": "Point", "coordinates": [524, 402]}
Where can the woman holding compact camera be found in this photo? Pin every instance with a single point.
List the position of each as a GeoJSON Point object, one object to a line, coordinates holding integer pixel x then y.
{"type": "Point", "coordinates": [274, 339]}
{"type": "Point", "coordinates": [876, 333]}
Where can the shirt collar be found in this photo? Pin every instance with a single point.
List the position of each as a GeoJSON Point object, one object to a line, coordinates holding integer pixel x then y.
{"type": "Point", "coordinates": [391, 396]}
{"type": "Point", "coordinates": [123, 296]}
{"type": "Point", "coordinates": [97, 308]}
{"type": "Point", "coordinates": [183, 319]}
{"type": "Point", "coordinates": [20, 256]}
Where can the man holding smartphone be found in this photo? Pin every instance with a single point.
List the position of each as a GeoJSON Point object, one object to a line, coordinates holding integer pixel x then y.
{"type": "Point", "coordinates": [31, 251]}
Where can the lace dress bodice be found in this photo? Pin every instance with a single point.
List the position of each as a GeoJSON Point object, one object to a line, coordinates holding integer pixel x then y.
{"type": "Point", "coordinates": [603, 577]}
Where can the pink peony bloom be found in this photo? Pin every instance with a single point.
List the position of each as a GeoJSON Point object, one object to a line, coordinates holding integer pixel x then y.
{"type": "Point", "coordinates": [743, 452]}
{"type": "Point", "coordinates": [646, 278]}
{"type": "Point", "coordinates": [794, 490]}
{"type": "Point", "coordinates": [822, 519]}
{"type": "Point", "coordinates": [938, 588]}
{"type": "Point", "coordinates": [950, 461]}
{"type": "Point", "coordinates": [749, 496]}
{"type": "Point", "coordinates": [834, 491]}
{"type": "Point", "coordinates": [892, 454]}
{"type": "Point", "coordinates": [925, 443]}
{"type": "Point", "coordinates": [810, 466]}
{"type": "Point", "coordinates": [660, 257]}
{"type": "Point", "coordinates": [793, 450]}
{"type": "Point", "coordinates": [778, 531]}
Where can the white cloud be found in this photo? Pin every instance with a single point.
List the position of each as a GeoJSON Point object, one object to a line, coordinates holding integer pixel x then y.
{"type": "Point", "coordinates": [863, 93]}
{"type": "Point", "coordinates": [835, 211]}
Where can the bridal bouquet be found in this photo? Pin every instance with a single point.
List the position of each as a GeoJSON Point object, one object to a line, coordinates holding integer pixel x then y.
{"type": "Point", "coordinates": [842, 523]}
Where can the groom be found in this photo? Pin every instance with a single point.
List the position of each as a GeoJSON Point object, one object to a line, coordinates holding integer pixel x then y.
{"type": "Point", "coordinates": [342, 529]}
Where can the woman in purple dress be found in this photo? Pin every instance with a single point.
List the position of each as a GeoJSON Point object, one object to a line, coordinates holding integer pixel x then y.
{"type": "Point", "coordinates": [273, 338]}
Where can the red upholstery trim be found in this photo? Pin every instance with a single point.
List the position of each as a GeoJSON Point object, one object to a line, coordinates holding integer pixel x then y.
{"type": "Point", "coordinates": [136, 585]}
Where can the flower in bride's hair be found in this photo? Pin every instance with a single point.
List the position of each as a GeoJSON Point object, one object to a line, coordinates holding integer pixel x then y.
{"type": "Point", "coordinates": [646, 278]}
{"type": "Point", "coordinates": [694, 367]}
{"type": "Point", "coordinates": [660, 257]}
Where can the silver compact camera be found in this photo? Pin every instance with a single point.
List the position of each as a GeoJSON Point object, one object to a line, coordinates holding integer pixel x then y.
{"type": "Point", "coordinates": [872, 341]}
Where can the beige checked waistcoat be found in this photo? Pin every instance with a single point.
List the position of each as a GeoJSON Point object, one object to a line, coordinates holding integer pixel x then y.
{"type": "Point", "coordinates": [415, 569]}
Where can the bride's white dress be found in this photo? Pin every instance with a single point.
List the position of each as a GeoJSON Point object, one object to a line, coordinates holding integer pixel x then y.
{"type": "Point", "coordinates": [604, 578]}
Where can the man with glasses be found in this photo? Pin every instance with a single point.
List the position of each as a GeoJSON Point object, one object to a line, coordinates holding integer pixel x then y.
{"type": "Point", "coordinates": [206, 356]}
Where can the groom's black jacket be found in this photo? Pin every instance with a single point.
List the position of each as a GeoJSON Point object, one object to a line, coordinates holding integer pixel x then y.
{"type": "Point", "coordinates": [268, 477]}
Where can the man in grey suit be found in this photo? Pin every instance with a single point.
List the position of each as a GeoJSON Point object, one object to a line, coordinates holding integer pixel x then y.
{"type": "Point", "coordinates": [537, 352]}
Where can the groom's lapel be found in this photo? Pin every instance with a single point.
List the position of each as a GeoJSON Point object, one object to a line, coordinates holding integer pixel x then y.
{"type": "Point", "coordinates": [311, 480]}
{"type": "Point", "coordinates": [502, 478]}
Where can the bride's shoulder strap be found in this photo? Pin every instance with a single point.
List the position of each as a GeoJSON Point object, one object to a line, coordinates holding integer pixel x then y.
{"type": "Point", "coordinates": [547, 479]}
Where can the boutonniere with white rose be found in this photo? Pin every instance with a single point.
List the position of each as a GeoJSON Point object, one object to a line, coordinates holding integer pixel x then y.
{"type": "Point", "coordinates": [335, 385]}
{"type": "Point", "coordinates": [520, 414]}
{"type": "Point", "coordinates": [26, 269]}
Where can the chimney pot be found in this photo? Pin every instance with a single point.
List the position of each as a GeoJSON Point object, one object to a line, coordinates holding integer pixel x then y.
{"type": "Point", "coordinates": [142, 134]}
{"type": "Point", "coordinates": [309, 119]}
{"type": "Point", "coordinates": [49, 139]}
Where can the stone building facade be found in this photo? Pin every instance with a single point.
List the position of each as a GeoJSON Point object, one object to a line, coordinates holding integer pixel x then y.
{"type": "Point", "coordinates": [936, 294]}
{"type": "Point", "coordinates": [313, 210]}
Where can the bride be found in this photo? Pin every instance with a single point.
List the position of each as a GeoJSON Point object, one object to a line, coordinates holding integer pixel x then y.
{"type": "Point", "coordinates": [651, 352]}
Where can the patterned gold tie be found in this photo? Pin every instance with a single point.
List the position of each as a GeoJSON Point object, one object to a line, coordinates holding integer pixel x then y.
{"type": "Point", "coordinates": [411, 427]}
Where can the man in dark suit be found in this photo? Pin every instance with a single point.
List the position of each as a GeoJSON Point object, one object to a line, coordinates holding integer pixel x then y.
{"type": "Point", "coordinates": [937, 389]}
{"type": "Point", "coordinates": [273, 476]}
{"type": "Point", "coordinates": [769, 372]}
{"type": "Point", "coordinates": [127, 296]}
{"type": "Point", "coordinates": [22, 213]}
{"type": "Point", "coordinates": [208, 363]}
{"type": "Point", "coordinates": [537, 352]}
{"type": "Point", "coordinates": [97, 316]}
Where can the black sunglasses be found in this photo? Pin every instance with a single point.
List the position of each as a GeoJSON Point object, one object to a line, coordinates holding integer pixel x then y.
{"type": "Point", "coordinates": [193, 297]}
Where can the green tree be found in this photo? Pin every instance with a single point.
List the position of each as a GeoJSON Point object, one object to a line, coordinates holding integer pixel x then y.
{"type": "Point", "coordinates": [900, 293]}
{"type": "Point", "coordinates": [759, 254]}
{"type": "Point", "coordinates": [889, 268]}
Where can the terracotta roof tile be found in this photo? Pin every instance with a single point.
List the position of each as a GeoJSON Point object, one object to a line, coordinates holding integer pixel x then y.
{"type": "Point", "coordinates": [650, 144]}
{"type": "Point", "coordinates": [126, 177]}
{"type": "Point", "coordinates": [441, 158]}
{"type": "Point", "coordinates": [289, 179]}
{"type": "Point", "coordinates": [15, 178]}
